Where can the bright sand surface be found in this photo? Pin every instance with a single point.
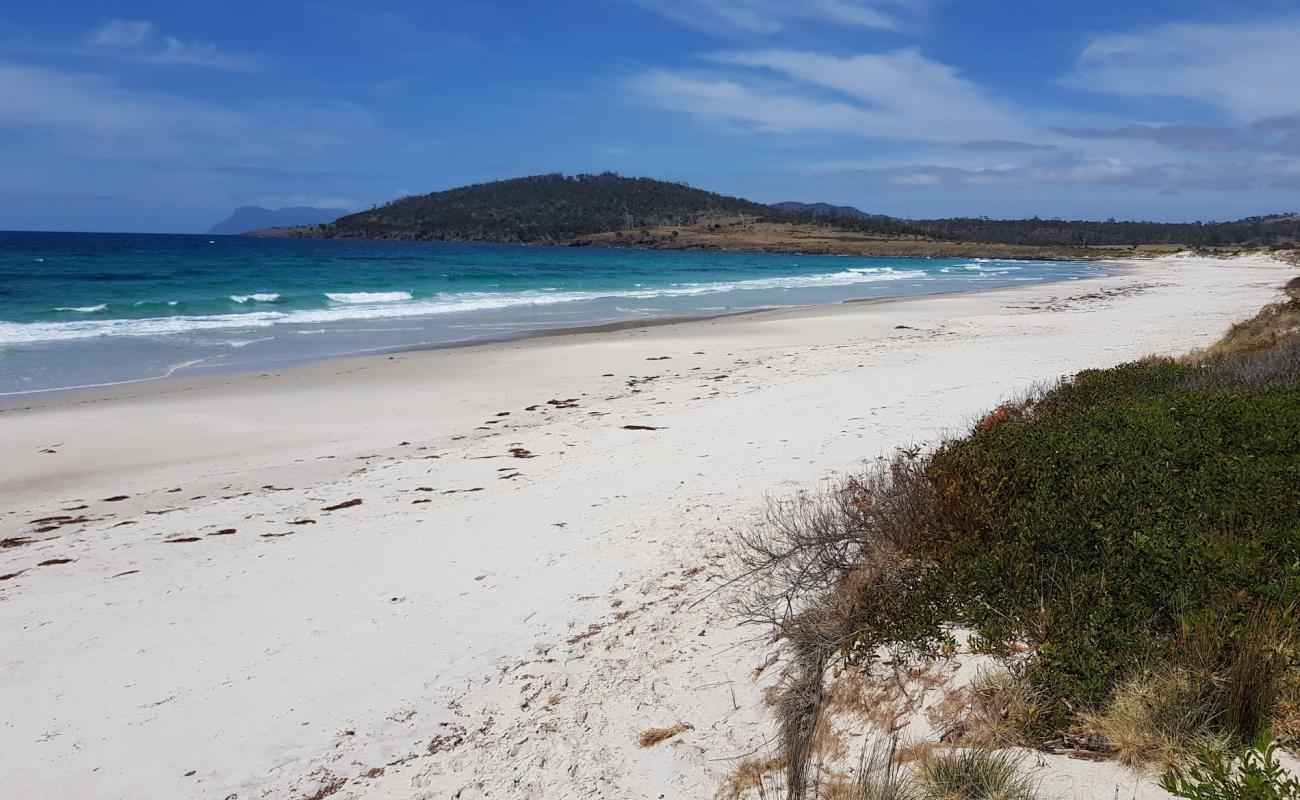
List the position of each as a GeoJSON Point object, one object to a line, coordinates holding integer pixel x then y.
{"type": "Point", "coordinates": [487, 622]}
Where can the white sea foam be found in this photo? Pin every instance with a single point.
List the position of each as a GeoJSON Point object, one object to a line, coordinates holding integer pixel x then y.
{"type": "Point", "coordinates": [167, 372]}
{"type": "Point", "coordinates": [378, 305]}
{"type": "Point", "coordinates": [238, 343]}
{"type": "Point", "coordinates": [83, 309]}
{"type": "Point", "coordinates": [269, 297]}
{"type": "Point", "coordinates": [368, 297]}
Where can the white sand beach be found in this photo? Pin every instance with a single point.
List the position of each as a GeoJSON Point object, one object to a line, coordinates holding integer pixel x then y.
{"type": "Point", "coordinates": [514, 579]}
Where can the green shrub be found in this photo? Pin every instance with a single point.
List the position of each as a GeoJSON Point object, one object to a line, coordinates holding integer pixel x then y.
{"type": "Point", "coordinates": [1106, 523]}
{"type": "Point", "coordinates": [1125, 505]}
{"type": "Point", "coordinates": [1214, 776]}
{"type": "Point", "coordinates": [1135, 527]}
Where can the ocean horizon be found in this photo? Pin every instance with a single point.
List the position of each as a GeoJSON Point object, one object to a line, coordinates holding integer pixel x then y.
{"type": "Point", "coordinates": [79, 310]}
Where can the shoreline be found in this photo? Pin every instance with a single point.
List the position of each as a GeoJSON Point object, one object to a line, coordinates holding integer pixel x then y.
{"type": "Point", "coordinates": [515, 594]}
{"type": "Point", "coordinates": [42, 398]}
{"type": "Point", "coordinates": [832, 242]}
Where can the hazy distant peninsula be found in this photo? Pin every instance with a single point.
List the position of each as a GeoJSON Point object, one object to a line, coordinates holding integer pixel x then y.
{"type": "Point", "coordinates": [825, 209]}
{"type": "Point", "coordinates": [609, 210]}
{"type": "Point", "coordinates": [251, 218]}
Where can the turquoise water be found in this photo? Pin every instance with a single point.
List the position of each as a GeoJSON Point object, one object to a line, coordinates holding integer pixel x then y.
{"type": "Point", "coordinates": [93, 309]}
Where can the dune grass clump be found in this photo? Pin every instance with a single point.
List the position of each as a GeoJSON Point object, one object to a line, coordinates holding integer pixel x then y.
{"type": "Point", "coordinates": [880, 776]}
{"type": "Point", "coordinates": [1004, 710]}
{"type": "Point", "coordinates": [1277, 324]}
{"type": "Point", "coordinates": [975, 774]}
{"type": "Point", "coordinates": [1154, 720]}
{"type": "Point", "coordinates": [1225, 688]}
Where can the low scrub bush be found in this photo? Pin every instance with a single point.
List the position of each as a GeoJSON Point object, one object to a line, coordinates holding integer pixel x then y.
{"type": "Point", "coordinates": [1130, 501]}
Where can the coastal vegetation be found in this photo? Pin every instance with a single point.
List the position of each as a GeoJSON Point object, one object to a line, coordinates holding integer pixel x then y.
{"type": "Point", "coordinates": [1124, 545]}
{"type": "Point", "coordinates": [613, 210]}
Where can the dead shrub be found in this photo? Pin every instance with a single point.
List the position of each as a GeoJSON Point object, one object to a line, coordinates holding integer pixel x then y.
{"type": "Point", "coordinates": [806, 547]}
{"type": "Point", "coordinates": [814, 566]}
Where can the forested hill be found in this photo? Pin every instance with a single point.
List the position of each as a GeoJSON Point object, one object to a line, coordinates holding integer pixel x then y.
{"type": "Point", "coordinates": [611, 210]}
{"type": "Point", "coordinates": [1282, 230]}
{"type": "Point", "coordinates": [541, 208]}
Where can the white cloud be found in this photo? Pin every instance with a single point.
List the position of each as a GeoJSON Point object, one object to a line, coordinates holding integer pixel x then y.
{"type": "Point", "coordinates": [307, 200]}
{"type": "Point", "coordinates": [100, 118]}
{"type": "Point", "coordinates": [773, 16]}
{"type": "Point", "coordinates": [1263, 173]}
{"type": "Point", "coordinates": [916, 179]}
{"type": "Point", "coordinates": [905, 88]}
{"type": "Point", "coordinates": [1247, 69]}
{"type": "Point", "coordinates": [121, 33]}
{"type": "Point", "coordinates": [92, 116]}
{"type": "Point", "coordinates": [198, 54]}
{"type": "Point", "coordinates": [729, 101]}
{"type": "Point", "coordinates": [138, 40]}
{"type": "Point", "coordinates": [896, 95]}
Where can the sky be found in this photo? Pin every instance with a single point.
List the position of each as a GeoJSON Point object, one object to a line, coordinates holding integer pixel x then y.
{"type": "Point", "coordinates": [165, 116]}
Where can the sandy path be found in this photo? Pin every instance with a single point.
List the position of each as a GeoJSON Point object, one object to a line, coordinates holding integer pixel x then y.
{"type": "Point", "coordinates": [481, 624]}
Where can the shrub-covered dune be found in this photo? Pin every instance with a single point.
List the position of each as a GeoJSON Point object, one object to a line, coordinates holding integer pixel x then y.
{"type": "Point", "coordinates": [1126, 542]}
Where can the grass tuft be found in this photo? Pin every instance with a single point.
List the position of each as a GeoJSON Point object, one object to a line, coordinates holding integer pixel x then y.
{"type": "Point", "coordinates": [975, 774]}
{"type": "Point", "coordinates": [1223, 688]}
{"type": "Point", "coordinates": [880, 777]}
{"type": "Point", "coordinates": [654, 736]}
{"type": "Point", "coordinates": [756, 775]}
{"type": "Point", "coordinates": [1004, 710]}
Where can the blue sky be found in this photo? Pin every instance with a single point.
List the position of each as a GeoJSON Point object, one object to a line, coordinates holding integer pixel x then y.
{"type": "Point", "coordinates": [153, 116]}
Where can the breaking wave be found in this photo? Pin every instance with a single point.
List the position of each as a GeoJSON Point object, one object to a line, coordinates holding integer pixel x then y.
{"type": "Point", "coordinates": [346, 306]}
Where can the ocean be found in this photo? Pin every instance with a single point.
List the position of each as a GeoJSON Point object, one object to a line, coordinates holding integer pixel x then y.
{"type": "Point", "coordinates": [85, 309]}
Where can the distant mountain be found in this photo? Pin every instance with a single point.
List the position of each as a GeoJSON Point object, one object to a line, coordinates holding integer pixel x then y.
{"type": "Point", "coordinates": [251, 218]}
{"type": "Point", "coordinates": [825, 210]}
{"type": "Point", "coordinates": [540, 208]}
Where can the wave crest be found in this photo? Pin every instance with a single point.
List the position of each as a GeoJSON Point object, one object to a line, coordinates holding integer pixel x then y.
{"type": "Point", "coordinates": [368, 297]}
{"type": "Point", "coordinates": [83, 309]}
